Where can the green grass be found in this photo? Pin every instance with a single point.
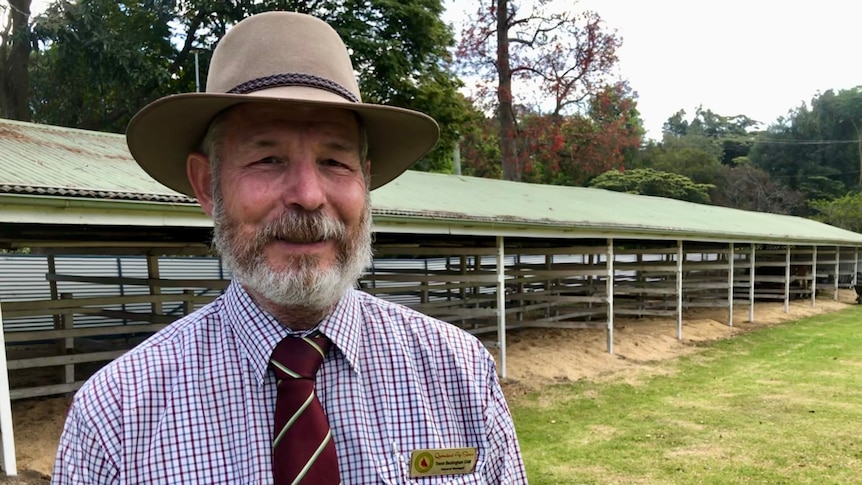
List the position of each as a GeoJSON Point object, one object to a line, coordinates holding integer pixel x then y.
{"type": "Point", "coordinates": [780, 405]}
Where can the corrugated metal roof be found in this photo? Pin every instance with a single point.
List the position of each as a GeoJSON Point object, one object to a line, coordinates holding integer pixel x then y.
{"type": "Point", "coordinates": [449, 197]}
{"type": "Point", "coordinates": [51, 160]}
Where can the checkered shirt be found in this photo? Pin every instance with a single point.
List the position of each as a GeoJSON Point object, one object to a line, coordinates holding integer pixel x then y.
{"type": "Point", "coordinates": [195, 402]}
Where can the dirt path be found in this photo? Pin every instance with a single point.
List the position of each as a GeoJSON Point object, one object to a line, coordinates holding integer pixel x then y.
{"type": "Point", "coordinates": [535, 358]}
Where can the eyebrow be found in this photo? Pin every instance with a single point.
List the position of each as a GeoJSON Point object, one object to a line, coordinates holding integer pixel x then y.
{"type": "Point", "coordinates": [335, 144]}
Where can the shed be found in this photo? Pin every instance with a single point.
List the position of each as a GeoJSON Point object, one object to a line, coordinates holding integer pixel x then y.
{"type": "Point", "coordinates": [487, 255]}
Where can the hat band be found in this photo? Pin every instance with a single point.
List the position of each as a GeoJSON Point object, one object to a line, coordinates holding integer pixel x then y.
{"type": "Point", "coordinates": [294, 79]}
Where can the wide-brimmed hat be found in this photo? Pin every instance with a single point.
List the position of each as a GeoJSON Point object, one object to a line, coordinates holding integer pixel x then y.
{"type": "Point", "coordinates": [275, 57]}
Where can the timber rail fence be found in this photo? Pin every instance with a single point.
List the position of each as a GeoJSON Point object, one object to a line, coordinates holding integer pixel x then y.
{"type": "Point", "coordinates": [90, 319]}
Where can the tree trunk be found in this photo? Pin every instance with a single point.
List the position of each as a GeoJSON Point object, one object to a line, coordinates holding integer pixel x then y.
{"type": "Point", "coordinates": [14, 59]}
{"type": "Point", "coordinates": [505, 113]}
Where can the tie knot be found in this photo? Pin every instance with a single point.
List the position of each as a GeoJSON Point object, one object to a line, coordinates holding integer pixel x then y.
{"type": "Point", "coordinates": [299, 357]}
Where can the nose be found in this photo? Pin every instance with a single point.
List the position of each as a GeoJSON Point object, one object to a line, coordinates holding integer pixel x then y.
{"type": "Point", "coordinates": [303, 186]}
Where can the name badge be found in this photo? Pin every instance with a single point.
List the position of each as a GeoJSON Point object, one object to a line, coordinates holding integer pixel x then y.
{"type": "Point", "coordinates": [442, 461]}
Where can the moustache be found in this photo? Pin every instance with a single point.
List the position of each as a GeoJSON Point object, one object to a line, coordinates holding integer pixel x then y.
{"type": "Point", "coordinates": [302, 227]}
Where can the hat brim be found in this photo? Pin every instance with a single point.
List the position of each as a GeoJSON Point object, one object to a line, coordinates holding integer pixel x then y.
{"type": "Point", "coordinates": [162, 135]}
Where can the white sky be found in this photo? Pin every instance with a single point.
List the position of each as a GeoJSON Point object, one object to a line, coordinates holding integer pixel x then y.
{"type": "Point", "coordinates": [759, 58]}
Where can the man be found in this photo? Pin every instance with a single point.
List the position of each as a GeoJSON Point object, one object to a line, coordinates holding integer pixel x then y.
{"type": "Point", "coordinates": [282, 153]}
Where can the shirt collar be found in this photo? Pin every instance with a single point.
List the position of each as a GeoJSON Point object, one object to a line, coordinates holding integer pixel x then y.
{"type": "Point", "coordinates": [259, 332]}
{"type": "Point", "coordinates": [344, 326]}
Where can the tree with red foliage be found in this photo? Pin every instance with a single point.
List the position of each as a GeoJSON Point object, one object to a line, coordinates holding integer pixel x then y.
{"type": "Point", "coordinates": [558, 57]}
{"type": "Point", "coordinates": [563, 150]}
{"type": "Point", "coordinates": [570, 150]}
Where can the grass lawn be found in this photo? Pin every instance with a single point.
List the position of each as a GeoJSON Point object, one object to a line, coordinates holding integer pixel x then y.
{"type": "Point", "coordinates": [779, 405]}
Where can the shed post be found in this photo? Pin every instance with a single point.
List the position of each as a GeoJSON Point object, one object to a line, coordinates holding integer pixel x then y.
{"type": "Point", "coordinates": [520, 290]}
{"type": "Point", "coordinates": [477, 268]}
{"type": "Point", "coordinates": [423, 292]}
{"type": "Point", "coordinates": [751, 266]}
{"type": "Point", "coordinates": [462, 291]}
{"type": "Point", "coordinates": [730, 256]}
{"type": "Point", "coordinates": [814, 277]}
{"type": "Point", "coordinates": [787, 279]}
{"type": "Point", "coordinates": [52, 286]}
{"type": "Point", "coordinates": [188, 302]}
{"type": "Point", "coordinates": [501, 304]}
{"type": "Point", "coordinates": [679, 258]}
{"type": "Point", "coordinates": [639, 282]}
{"type": "Point", "coordinates": [837, 270]}
{"type": "Point", "coordinates": [67, 345]}
{"type": "Point", "coordinates": [8, 436]}
{"type": "Point", "coordinates": [610, 292]}
{"type": "Point", "coordinates": [155, 289]}
{"type": "Point", "coordinates": [855, 266]}
{"type": "Point", "coordinates": [549, 258]}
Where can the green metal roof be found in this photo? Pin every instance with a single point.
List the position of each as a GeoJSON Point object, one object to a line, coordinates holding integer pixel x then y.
{"type": "Point", "coordinates": [51, 160]}
{"type": "Point", "coordinates": [497, 203]}
{"type": "Point", "coordinates": [65, 167]}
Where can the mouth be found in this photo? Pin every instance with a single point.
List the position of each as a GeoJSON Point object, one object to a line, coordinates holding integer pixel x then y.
{"type": "Point", "coordinates": [299, 240]}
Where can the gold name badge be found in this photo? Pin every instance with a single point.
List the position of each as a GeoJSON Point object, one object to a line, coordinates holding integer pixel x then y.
{"type": "Point", "coordinates": [443, 461]}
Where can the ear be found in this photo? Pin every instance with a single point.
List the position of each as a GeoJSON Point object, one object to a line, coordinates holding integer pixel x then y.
{"type": "Point", "coordinates": [199, 172]}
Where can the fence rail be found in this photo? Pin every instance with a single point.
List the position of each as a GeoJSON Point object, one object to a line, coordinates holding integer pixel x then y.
{"type": "Point", "coordinates": [65, 316]}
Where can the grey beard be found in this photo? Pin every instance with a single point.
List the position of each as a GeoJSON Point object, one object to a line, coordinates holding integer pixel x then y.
{"type": "Point", "coordinates": [300, 283]}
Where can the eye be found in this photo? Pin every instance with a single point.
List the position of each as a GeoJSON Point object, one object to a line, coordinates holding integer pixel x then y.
{"type": "Point", "coordinates": [269, 160]}
{"type": "Point", "coordinates": [334, 163]}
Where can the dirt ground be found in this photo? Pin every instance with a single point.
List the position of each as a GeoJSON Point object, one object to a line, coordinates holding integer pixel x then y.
{"type": "Point", "coordinates": [535, 358]}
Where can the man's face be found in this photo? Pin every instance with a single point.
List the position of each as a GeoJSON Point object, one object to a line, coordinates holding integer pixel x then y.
{"type": "Point", "coordinates": [290, 202]}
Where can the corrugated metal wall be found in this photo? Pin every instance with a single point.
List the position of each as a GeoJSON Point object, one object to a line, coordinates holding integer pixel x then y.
{"type": "Point", "coordinates": [22, 277]}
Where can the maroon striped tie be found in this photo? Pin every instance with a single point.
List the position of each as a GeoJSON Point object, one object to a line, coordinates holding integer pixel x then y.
{"type": "Point", "coordinates": [302, 447]}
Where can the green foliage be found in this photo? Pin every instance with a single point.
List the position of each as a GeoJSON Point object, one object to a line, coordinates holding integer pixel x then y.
{"type": "Point", "coordinates": [697, 162]}
{"type": "Point", "coordinates": [816, 149]}
{"type": "Point", "coordinates": [844, 212]}
{"type": "Point", "coordinates": [705, 149]}
{"type": "Point", "coordinates": [725, 137]}
{"type": "Point", "coordinates": [400, 48]}
{"type": "Point", "coordinates": [647, 181]}
{"type": "Point", "coordinates": [480, 149]}
{"type": "Point", "coordinates": [455, 115]}
{"type": "Point", "coordinates": [101, 60]}
{"type": "Point", "coordinates": [707, 123]}
{"type": "Point", "coordinates": [90, 75]}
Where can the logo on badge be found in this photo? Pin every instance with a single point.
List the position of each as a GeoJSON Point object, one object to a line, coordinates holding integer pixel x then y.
{"type": "Point", "coordinates": [423, 462]}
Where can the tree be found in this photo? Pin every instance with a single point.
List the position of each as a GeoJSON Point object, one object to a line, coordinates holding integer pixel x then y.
{"type": "Point", "coordinates": [844, 212]}
{"type": "Point", "coordinates": [480, 149]}
{"type": "Point", "coordinates": [15, 47]}
{"type": "Point", "coordinates": [699, 148]}
{"type": "Point", "coordinates": [697, 161]}
{"type": "Point", "coordinates": [569, 150]}
{"type": "Point", "coordinates": [562, 56]}
{"type": "Point", "coordinates": [749, 188]}
{"type": "Point", "coordinates": [645, 181]}
{"type": "Point", "coordinates": [102, 60]}
{"type": "Point", "coordinates": [732, 134]}
{"type": "Point", "coordinates": [816, 150]}
{"type": "Point", "coordinates": [563, 150]}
